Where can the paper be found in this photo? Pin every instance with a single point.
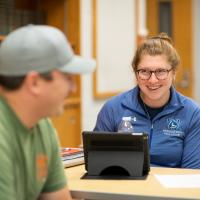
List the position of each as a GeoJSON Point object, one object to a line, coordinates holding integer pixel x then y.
{"type": "Point", "coordinates": [179, 181]}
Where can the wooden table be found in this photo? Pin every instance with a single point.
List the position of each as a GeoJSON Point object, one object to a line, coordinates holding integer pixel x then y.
{"type": "Point", "coordinates": [149, 189]}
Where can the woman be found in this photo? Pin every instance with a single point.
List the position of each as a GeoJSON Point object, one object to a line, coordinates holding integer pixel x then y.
{"type": "Point", "coordinates": [171, 120]}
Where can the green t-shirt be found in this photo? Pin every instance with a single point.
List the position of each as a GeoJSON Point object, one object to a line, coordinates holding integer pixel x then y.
{"type": "Point", "coordinates": [30, 161]}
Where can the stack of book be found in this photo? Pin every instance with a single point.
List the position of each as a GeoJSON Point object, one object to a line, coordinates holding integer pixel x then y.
{"type": "Point", "coordinates": [72, 156]}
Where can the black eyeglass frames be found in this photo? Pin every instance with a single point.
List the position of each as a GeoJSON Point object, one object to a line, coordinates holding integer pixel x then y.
{"type": "Point", "coordinates": [145, 74]}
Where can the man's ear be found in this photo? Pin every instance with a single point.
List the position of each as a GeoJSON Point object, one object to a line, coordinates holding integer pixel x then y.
{"type": "Point", "coordinates": [32, 83]}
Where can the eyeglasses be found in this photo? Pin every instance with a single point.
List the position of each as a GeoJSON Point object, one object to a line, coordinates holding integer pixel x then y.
{"type": "Point", "coordinates": [145, 74]}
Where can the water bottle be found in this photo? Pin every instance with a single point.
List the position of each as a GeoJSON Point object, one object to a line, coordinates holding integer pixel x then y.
{"type": "Point", "coordinates": [126, 125]}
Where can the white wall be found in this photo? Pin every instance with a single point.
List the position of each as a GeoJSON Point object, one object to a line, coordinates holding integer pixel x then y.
{"type": "Point", "coordinates": [90, 106]}
{"type": "Point", "coordinates": [115, 44]}
{"type": "Point", "coordinates": [196, 49]}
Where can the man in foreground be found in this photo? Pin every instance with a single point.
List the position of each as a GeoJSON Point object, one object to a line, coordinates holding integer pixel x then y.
{"type": "Point", "coordinates": [36, 67]}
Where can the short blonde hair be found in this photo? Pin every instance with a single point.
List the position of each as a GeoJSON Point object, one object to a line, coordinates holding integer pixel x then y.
{"type": "Point", "coordinates": [158, 45]}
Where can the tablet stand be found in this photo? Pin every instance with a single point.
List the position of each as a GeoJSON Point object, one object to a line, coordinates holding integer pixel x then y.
{"type": "Point", "coordinates": [117, 161]}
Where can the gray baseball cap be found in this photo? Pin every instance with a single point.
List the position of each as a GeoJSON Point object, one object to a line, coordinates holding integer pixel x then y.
{"type": "Point", "coordinates": [40, 48]}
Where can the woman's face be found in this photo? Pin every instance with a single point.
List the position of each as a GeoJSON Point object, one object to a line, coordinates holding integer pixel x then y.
{"type": "Point", "coordinates": [154, 87]}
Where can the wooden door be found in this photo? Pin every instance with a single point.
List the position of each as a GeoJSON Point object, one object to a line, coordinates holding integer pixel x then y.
{"type": "Point", "coordinates": [68, 126]}
{"type": "Point", "coordinates": [175, 18]}
{"type": "Point", "coordinates": [64, 14]}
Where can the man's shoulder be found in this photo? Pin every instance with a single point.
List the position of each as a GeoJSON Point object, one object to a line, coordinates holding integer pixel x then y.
{"type": "Point", "coordinates": [188, 101]}
{"type": "Point", "coordinates": [45, 122]}
{"type": "Point", "coordinates": [6, 117]}
{"type": "Point", "coordinates": [45, 125]}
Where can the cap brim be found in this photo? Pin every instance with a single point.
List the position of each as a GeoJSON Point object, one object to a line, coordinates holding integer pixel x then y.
{"type": "Point", "coordinates": [79, 65]}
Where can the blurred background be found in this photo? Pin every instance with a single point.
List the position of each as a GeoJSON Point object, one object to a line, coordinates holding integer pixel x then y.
{"type": "Point", "coordinates": [109, 31]}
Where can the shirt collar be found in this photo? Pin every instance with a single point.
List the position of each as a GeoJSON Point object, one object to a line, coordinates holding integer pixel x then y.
{"type": "Point", "coordinates": [130, 100]}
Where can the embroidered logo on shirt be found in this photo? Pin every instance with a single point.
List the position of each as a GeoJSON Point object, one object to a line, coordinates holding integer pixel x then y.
{"type": "Point", "coordinates": [174, 128]}
{"type": "Point", "coordinates": [174, 124]}
{"type": "Point", "coordinates": [41, 163]}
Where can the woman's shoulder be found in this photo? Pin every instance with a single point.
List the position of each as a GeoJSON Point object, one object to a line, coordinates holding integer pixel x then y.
{"type": "Point", "coordinates": [124, 96]}
{"type": "Point", "coordinates": [188, 102]}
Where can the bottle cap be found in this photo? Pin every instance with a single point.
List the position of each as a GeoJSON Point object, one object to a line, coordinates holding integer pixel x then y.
{"type": "Point", "coordinates": [126, 118]}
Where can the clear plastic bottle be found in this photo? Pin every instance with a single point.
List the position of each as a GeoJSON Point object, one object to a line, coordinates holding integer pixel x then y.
{"type": "Point", "coordinates": [126, 125]}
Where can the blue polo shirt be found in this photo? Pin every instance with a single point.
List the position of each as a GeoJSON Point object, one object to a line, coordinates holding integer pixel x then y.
{"type": "Point", "coordinates": [174, 132]}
